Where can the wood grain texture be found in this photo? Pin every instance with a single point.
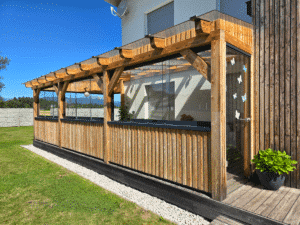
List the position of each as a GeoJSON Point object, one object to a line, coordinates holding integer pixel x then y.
{"type": "Point", "coordinates": [170, 159]}
{"type": "Point", "coordinates": [293, 92]}
{"type": "Point", "coordinates": [218, 117]}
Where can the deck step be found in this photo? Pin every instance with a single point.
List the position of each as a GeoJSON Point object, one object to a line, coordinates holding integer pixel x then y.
{"type": "Point", "coordinates": [221, 220]}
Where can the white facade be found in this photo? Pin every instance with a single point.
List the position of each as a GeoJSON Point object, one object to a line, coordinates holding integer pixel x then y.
{"type": "Point", "coordinates": [134, 24]}
{"type": "Point", "coordinates": [189, 85]}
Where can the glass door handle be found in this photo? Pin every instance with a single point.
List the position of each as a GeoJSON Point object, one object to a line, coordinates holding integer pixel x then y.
{"type": "Point", "coordinates": [246, 119]}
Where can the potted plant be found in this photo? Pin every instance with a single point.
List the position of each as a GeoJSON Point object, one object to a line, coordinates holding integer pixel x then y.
{"type": "Point", "coordinates": [270, 167]}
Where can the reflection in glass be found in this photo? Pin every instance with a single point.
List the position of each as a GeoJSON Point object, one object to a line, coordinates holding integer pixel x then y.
{"type": "Point", "coordinates": [170, 90]}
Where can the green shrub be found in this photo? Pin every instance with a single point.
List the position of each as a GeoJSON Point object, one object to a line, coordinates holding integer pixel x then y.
{"type": "Point", "coordinates": [273, 161]}
{"type": "Point", "coordinates": [124, 114]}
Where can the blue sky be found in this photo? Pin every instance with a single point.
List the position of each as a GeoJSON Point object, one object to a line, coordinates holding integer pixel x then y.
{"type": "Point", "coordinates": [40, 37]}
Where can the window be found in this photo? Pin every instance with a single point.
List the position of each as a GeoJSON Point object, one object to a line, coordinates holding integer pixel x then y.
{"type": "Point", "coordinates": [161, 101]}
{"type": "Point", "coordinates": [160, 19]}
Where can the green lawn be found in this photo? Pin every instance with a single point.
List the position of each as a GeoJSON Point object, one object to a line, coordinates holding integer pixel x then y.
{"type": "Point", "coordinates": [34, 190]}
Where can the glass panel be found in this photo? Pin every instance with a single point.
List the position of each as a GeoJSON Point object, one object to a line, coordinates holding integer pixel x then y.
{"type": "Point", "coordinates": [170, 90]}
{"type": "Point", "coordinates": [237, 102]}
{"type": "Point", "coordinates": [48, 103]}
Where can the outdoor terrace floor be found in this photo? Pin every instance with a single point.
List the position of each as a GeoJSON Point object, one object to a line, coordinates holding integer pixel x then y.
{"type": "Point", "coordinates": [282, 205]}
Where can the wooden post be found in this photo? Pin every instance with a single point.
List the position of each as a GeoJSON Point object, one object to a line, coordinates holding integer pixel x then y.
{"type": "Point", "coordinates": [112, 106]}
{"type": "Point", "coordinates": [218, 117]}
{"type": "Point", "coordinates": [62, 88]}
{"type": "Point", "coordinates": [107, 116]}
{"type": "Point", "coordinates": [36, 106]}
{"type": "Point", "coordinates": [122, 93]}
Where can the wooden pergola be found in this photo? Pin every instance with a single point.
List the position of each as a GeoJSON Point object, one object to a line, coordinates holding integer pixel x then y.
{"type": "Point", "coordinates": [109, 73]}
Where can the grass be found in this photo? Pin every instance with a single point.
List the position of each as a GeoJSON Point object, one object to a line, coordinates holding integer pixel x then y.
{"type": "Point", "coordinates": [34, 190]}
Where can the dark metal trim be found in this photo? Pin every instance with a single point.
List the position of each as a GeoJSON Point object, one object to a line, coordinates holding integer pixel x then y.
{"type": "Point", "coordinates": [237, 49]}
{"type": "Point", "coordinates": [181, 125]}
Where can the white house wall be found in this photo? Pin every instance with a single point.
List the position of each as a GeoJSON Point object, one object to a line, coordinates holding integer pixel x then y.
{"type": "Point", "coordinates": [235, 8]}
{"type": "Point", "coordinates": [192, 95]}
{"type": "Point", "coordinates": [134, 24]}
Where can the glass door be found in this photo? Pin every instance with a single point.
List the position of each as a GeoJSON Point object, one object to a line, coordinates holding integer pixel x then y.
{"type": "Point", "coordinates": [237, 111]}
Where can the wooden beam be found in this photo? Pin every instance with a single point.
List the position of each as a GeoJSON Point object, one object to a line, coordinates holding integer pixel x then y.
{"type": "Point", "coordinates": [73, 71]}
{"type": "Point", "coordinates": [125, 53]}
{"type": "Point", "coordinates": [107, 116]}
{"type": "Point", "coordinates": [42, 79]}
{"type": "Point", "coordinates": [64, 88]}
{"type": "Point", "coordinates": [28, 84]}
{"type": "Point", "coordinates": [55, 89]}
{"type": "Point", "coordinates": [98, 80]}
{"type": "Point", "coordinates": [35, 82]}
{"type": "Point", "coordinates": [118, 72]}
{"type": "Point", "coordinates": [202, 26]}
{"type": "Point", "coordinates": [103, 61]}
{"type": "Point", "coordinates": [61, 75]}
{"type": "Point", "coordinates": [122, 93]}
{"type": "Point", "coordinates": [196, 61]}
{"type": "Point", "coordinates": [198, 41]}
{"type": "Point", "coordinates": [50, 77]}
{"type": "Point", "coordinates": [156, 43]}
{"type": "Point", "coordinates": [218, 118]}
{"type": "Point", "coordinates": [237, 43]}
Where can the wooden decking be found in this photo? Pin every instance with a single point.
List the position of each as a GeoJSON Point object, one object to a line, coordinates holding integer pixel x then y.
{"type": "Point", "coordinates": [282, 205]}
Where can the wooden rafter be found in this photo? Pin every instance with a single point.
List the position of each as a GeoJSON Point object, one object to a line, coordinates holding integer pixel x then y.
{"type": "Point", "coordinates": [201, 26]}
{"type": "Point", "coordinates": [61, 75]}
{"type": "Point", "coordinates": [125, 53]}
{"type": "Point", "coordinates": [156, 43]}
{"type": "Point", "coordinates": [197, 41]}
{"type": "Point", "coordinates": [103, 61]}
{"type": "Point", "coordinates": [74, 71]}
{"type": "Point", "coordinates": [196, 61]}
{"type": "Point", "coordinates": [117, 74]}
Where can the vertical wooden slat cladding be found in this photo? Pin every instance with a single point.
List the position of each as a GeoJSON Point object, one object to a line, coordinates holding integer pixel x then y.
{"type": "Point", "coordinates": [282, 72]}
{"type": "Point", "coordinates": [91, 141]}
{"type": "Point", "coordinates": [174, 155]}
{"type": "Point", "coordinates": [166, 155]}
{"type": "Point", "coordinates": [277, 79]}
{"type": "Point", "coordinates": [266, 104]}
{"type": "Point", "coordinates": [194, 160]}
{"type": "Point", "coordinates": [183, 153]}
{"type": "Point", "coordinates": [165, 152]}
{"type": "Point", "coordinates": [298, 94]}
{"type": "Point", "coordinates": [46, 131]}
{"type": "Point", "coordinates": [287, 104]}
{"type": "Point", "coordinates": [261, 76]}
{"type": "Point", "coordinates": [293, 89]}
{"type": "Point", "coordinates": [277, 47]}
{"type": "Point", "coordinates": [271, 74]}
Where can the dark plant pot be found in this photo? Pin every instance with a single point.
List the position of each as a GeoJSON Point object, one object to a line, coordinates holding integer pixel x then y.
{"type": "Point", "coordinates": [270, 181]}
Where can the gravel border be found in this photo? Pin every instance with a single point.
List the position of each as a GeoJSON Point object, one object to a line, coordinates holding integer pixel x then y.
{"type": "Point", "coordinates": [146, 201]}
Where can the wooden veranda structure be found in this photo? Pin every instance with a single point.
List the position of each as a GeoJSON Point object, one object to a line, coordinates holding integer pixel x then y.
{"type": "Point", "coordinates": [139, 147]}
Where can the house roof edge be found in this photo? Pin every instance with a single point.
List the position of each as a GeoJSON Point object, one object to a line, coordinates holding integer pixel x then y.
{"type": "Point", "coordinates": [113, 2]}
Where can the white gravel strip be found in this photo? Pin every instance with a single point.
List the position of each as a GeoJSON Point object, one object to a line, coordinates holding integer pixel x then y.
{"type": "Point", "coordinates": [148, 202]}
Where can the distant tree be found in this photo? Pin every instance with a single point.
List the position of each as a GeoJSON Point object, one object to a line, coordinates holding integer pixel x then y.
{"type": "Point", "coordinates": [21, 102]}
{"type": "Point", "coordinates": [3, 63]}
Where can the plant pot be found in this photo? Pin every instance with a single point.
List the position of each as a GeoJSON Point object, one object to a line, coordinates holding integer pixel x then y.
{"type": "Point", "coordinates": [270, 181]}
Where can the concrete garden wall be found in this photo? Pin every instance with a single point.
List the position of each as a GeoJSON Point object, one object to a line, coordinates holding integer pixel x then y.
{"type": "Point", "coordinates": [14, 117]}
{"type": "Point", "coordinates": [85, 112]}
